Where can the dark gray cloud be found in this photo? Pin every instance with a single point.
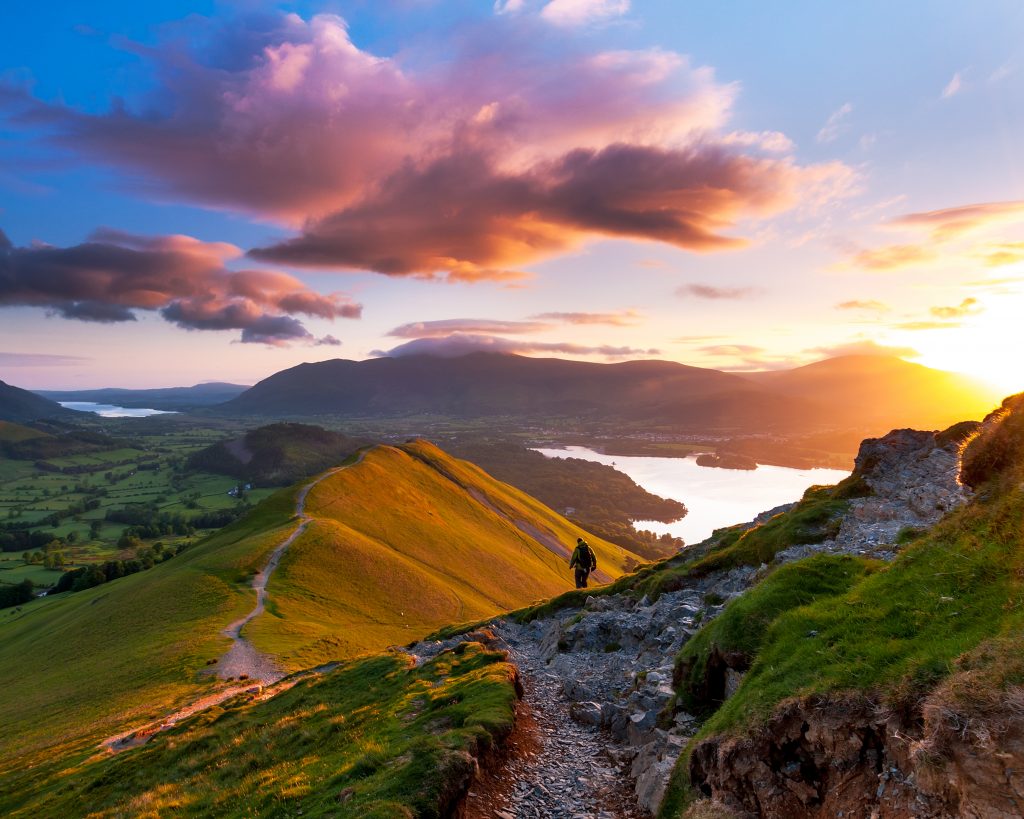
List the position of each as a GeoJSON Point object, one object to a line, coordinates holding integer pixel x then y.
{"type": "Point", "coordinates": [114, 274]}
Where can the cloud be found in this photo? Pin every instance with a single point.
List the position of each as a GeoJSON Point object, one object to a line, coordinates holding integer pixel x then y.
{"type": "Point", "coordinates": [968, 307]}
{"type": "Point", "coordinates": [999, 255]}
{"type": "Point", "coordinates": [891, 257]}
{"type": "Point", "coordinates": [950, 223]}
{"type": "Point", "coordinates": [864, 348]}
{"type": "Point", "coordinates": [40, 360]}
{"type": "Point", "coordinates": [459, 344]}
{"type": "Point", "coordinates": [447, 327]}
{"type": "Point", "coordinates": [582, 12]}
{"type": "Point", "coordinates": [707, 291]}
{"type": "Point", "coordinates": [113, 274]}
{"type": "Point", "coordinates": [447, 160]}
{"type": "Point", "coordinates": [619, 318]}
{"type": "Point", "coordinates": [926, 325]}
{"type": "Point", "coordinates": [731, 350]}
{"type": "Point", "coordinates": [835, 124]}
{"type": "Point", "coordinates": [953, 87]}
{"type": "Point", "coordinates": [865, 304]}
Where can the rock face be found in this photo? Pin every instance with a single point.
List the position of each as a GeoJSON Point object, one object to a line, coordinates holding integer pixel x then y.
{"type": "Point", "coordinates": [913, 479]}
{"type": "Point", "coordinates": [847, 757]}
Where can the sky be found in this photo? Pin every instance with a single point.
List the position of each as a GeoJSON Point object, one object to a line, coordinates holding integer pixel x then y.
{"type": "Point", "coordinates": [215, 191]}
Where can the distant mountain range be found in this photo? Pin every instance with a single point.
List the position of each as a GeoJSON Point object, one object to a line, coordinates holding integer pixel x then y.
{"type": "Point", "coordinates": [166, 398]}
{"type": "Point", "coordinates": [839, 392]}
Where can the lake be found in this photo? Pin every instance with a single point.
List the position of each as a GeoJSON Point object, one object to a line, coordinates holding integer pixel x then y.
{"type": "Point", "coordinates": [112, 411]}
{"type": "Point", "coordinates": [714, 497]}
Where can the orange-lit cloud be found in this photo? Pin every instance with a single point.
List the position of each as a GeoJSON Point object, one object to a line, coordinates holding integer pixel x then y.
{"type": "Point", "coordinates": [949, 223]}
{"type": "Point", "coordinates": [999, 255]}
{"type": "Point", "coordinates": [871, 305]}
{"type": "Point", "coordinates": [449, 163]}
{"type": "Point", "coordinates": [866, 347]}
{"type": "Point", "coordinates": [926, 325]}
{"type": "Point", "coordinates": [968, 307]}
{"type": "Point", "coordinates": [109, 277]}
{"type": "Point", "coordinates": [891, 257]}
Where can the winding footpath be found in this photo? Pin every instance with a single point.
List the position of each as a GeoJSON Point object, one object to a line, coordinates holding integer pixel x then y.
{"type": "Point", "coordinates": [260, 674]}
{"type": "Point", "coordinates": [243, 659]}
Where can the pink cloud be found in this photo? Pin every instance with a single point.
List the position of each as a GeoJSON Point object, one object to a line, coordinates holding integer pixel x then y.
{"type": "Point", "coordinates": [442, 160]}
{"type": "Point", "coordinates": [707, 291]}
{"type": "Point", "coordinates": [459, 344]}
{"type": "Point", "coordinates": [113, 274]}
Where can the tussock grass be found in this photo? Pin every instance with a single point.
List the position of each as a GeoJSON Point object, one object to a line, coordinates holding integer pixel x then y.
{"type": "Point", "coordinates": [375, 737]}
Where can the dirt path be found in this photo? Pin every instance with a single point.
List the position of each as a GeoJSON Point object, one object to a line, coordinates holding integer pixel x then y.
{"type": "Point", "coordinates": [555, 768]}
{"type": "Point", "coordinates": [243, 659]}
{"type": "Point", "coordinates": [262, 677]}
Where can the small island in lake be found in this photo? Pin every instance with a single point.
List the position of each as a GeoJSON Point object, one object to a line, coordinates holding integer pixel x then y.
{"type": "Point", "coordinates": [726, 460]}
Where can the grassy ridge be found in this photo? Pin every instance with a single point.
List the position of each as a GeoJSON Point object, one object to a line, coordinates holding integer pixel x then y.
{"type": "Point", "coordinates": [448, 550]}
{"type": "Point", "coordinates": [76, 667]}
{"type": "Point", "coordinates": [375, 738]}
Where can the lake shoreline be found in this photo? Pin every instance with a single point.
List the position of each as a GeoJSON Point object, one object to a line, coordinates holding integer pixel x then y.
{"type": "Point", "coordinates": [714, 497]}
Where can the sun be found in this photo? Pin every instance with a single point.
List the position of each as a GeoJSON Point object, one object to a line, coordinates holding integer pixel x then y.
{"type": "Point", "coordinates": [988, 347]}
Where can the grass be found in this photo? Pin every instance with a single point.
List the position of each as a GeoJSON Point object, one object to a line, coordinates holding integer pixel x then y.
{"type": "Point", "coordinates": [374, 738]}
{"type": "Point", "coordinates": [446, 550]}
{"type": "Point", "coordinates": [738, 632]}
{"type": "Point", "coordinates": [945, 619]}
{"type": "Point", "coordinates": [75, 667]}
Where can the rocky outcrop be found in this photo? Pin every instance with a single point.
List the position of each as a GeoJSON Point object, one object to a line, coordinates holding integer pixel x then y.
{"type": "Point", "coordinates": [910, 479]}
{"type": "Point", "coordinates": [849, 757]}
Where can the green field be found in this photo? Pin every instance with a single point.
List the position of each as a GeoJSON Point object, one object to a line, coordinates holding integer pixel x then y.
{"type": "Point", "coordinates": [73, 504]}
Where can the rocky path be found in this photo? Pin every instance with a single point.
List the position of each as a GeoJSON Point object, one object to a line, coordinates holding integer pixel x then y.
{"type": "Point", "coordinates": [555, 767]}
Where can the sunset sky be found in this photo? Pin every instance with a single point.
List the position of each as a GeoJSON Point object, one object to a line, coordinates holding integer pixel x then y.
{"type": "Point", "coordinates": [219, 190]}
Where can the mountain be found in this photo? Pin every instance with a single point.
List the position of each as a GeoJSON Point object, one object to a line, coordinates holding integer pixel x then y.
{"type": "Point", "coordinates": [865, 390]}
{"type": "Point", "coordinates": [164, 398]}
{"type": "Point", "coordinates": [397, 543]}
{"type": "Point", "coordinates": [20, 405]}
{"type": "Point", "coordinates": [838, 392]}
{"type": "Point", "coordinates": [277, 454]}
{"type": "Point", "coordinates": [495, 384]}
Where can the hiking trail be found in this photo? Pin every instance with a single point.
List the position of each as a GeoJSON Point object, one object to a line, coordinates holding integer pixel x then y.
{"type": "Point", "coordinates": [258, 672]}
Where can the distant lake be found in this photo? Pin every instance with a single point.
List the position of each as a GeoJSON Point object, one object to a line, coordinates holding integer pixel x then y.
{"type": "Point", "coordinates": [714, 497]}
{"type": "Point", "coordinates": [111, 411]}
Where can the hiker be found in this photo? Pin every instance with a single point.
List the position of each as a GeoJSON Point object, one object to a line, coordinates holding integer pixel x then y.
{"type": "Point", "coordinates": [584, 560]}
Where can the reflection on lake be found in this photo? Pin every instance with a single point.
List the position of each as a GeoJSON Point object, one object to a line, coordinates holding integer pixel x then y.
{"type": "Point", "coordinates": [714, 497]}
{"type": "Point", "coordinates": [111, 411]}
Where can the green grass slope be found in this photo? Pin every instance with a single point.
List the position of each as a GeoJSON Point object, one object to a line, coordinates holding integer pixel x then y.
{"type": "Point", "coordinates": [374, 738]}
{"type": "Point", "coordinates": [946, 619]}
{"type": "Point", "coordinates": [407, 541]}
{"type": "Point", "coordinates": [76, 667]}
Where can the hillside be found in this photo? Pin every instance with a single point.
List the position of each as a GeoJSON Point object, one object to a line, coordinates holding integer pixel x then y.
{"type": "Point", "coordinates": [20, 405]}
{"type": "Point", "coordinates": [163, 398]}
{"type": "Point", "coordinates": [277, 454]}
{"type": "Point", "coordinates": [450, 544]}
{"type": "Point", "coordinates": [867, 394]}
{"type": "Point", "coordinates": [491, 384]}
